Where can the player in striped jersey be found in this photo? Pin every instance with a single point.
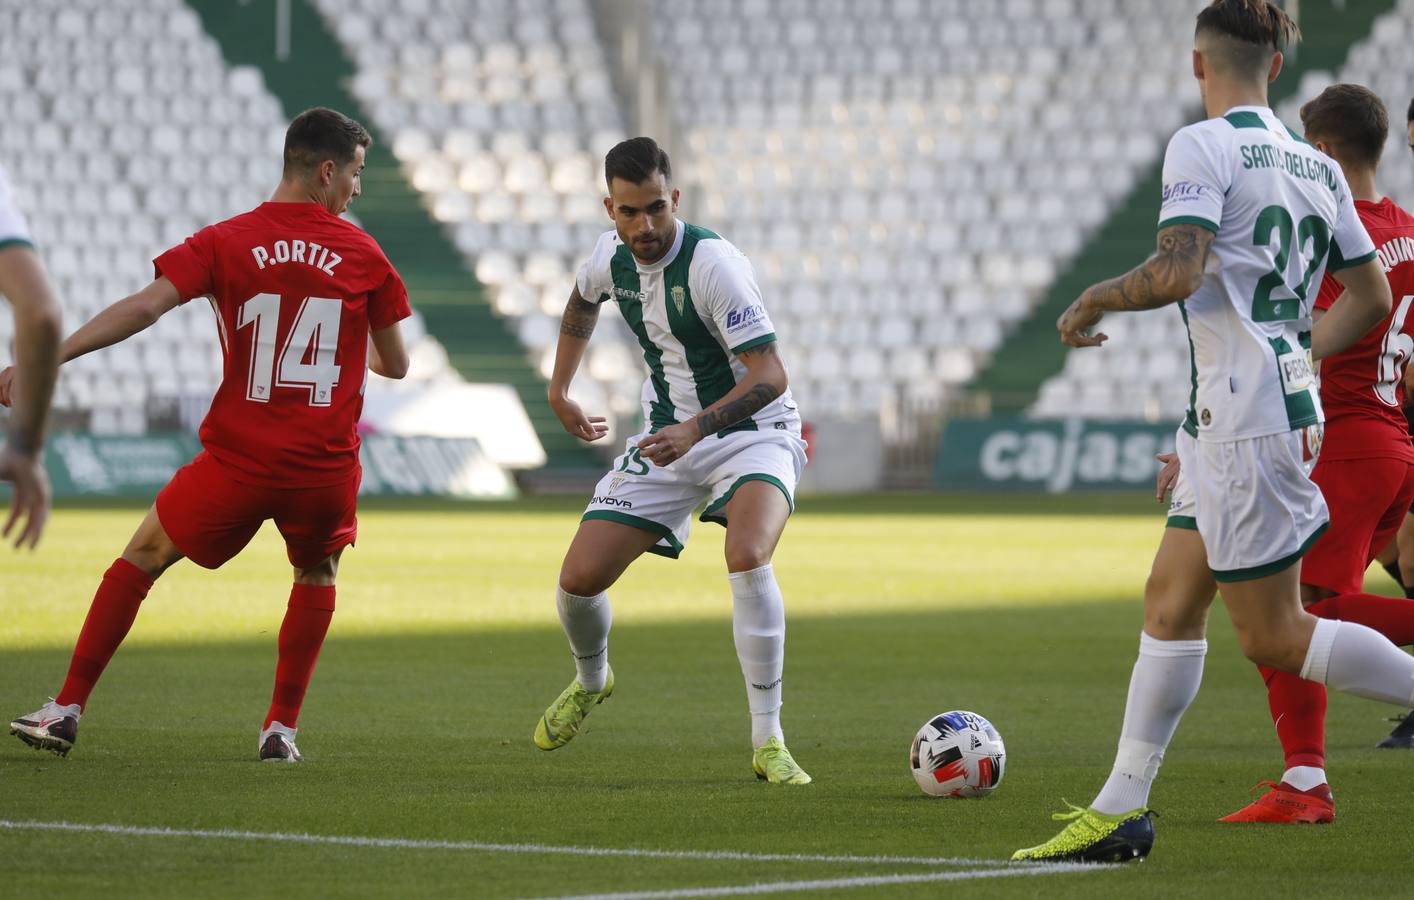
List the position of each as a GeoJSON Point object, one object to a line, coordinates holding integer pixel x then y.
{"type": "Point", "coordinates": [720, 427]}
{"type": "Point", "coordinates": [24, 283]}
{"type": "Point", "coordinates": [1251, 217]}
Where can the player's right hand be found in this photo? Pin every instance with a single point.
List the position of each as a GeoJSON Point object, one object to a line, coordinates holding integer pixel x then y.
{"type": "Point", "coordinates": [7, 385]}
{"type": "Point", "coordinates": [31, 496]}
{"type": "Point", "coordinates": [1077, 320]}
{"type": "Point", "coordinates": [586, 428]}
{"type": "Point", "coordinates": [1168, 475]}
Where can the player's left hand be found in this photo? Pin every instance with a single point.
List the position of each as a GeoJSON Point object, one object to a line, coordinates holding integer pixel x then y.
{"type": "Point", "coordinates": [31, 496]}
{"type": "Point", "coordinates": [665, 445]}
{"type": "Point", "coordinates": [1077, 320]}
{"type": "Point", "coordinates": [1168, 475]}
{"type": "Point", "coordinates": [7, 386]}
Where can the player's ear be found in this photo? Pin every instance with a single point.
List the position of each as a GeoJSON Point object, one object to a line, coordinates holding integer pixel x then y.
{"type": "Point", "coordinates": [676, 194]}
{"type": "Point", "coordinates": [326, 172]}
{"type": "Point", "coordinates": [1197, 65]}
{"type": "Point", "coordinates": [609, 206]}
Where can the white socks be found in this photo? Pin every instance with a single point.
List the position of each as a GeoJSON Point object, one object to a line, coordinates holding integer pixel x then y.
{"type": "Point", "coordinates": [759, 627]}
{"type": "Point", "coordinates": [1165, 681]}
{"type": "Point", "coordinates": [586, 622]}
{"type": "Point", "coordinates": [1358, 660]}
{"type": "Point", "coordinates": [1304, 778]}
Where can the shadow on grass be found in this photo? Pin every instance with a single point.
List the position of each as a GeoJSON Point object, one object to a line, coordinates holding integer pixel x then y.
{"type": "Point", "coordinates": [428, 736]}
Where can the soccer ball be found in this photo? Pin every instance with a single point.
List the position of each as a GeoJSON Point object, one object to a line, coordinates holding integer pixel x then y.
{"type": "Point", "coordinates": [958, 754]}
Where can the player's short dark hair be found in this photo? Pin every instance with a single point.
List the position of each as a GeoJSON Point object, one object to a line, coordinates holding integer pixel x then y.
{"type": "Point", "coordinates": [1350, 118]}
{"type": "Point", "coordinates": [635, 160]}
{"type": "Point", "coordinates": [1409, 116]}
{"type": "Point", "coordinates": [1256, 29]}
{"type": "Point", "coordinates": [321, 133]}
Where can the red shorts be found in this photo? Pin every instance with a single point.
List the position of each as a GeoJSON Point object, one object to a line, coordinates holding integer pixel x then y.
{"type": "Point", "coordinates": [1368, 499]}
{"type": "Point", "coordinates": [211, 517]}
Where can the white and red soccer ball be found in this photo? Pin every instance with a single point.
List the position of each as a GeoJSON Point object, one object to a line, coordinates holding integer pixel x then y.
{"type": "Point", "coordinates": [958, 754]}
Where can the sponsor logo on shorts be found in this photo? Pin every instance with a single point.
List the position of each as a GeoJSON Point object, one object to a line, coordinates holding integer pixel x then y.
{"type": "Point", "coordinates": [738, 319]}
{"type": "Point", "coordinates": [619, 502]}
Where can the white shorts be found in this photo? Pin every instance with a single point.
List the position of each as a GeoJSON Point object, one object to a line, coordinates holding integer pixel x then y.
{"type": "Point", "coordinates": [661, 500]}
{"type": "Point", "coordinates": [1250, 500]}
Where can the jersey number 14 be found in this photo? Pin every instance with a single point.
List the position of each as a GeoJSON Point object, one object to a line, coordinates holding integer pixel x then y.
{"type": "Point", "coordinates": [315, 336]}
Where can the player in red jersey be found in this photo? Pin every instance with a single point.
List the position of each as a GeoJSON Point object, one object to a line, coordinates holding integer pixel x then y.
{"type": "Point", "coordinates": [305, 302]}
{"type": "Point", "coordinates": [1365, 466]}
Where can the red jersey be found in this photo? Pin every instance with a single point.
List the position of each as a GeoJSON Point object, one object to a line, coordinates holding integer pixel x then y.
{"type": "Point", "coordinates": [1362, 388]}
{"type": "Point", "coordinates": [296, 290]}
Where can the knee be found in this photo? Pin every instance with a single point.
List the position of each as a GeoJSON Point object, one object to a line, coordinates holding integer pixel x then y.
{"type": "Point", "coordinates": [1280, 648]}
{"type": "Point", "coordinates": [582, 580]}
{"type": "Point", "coordinates": [150, 557]}
{"type": "Point", "coordinates": [1170, 613]}
{"type": "Point", "coordinates": [745, 555]}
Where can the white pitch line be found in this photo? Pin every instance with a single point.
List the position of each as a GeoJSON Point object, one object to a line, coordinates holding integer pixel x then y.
{"type": "Point", "coordinates": [782, 887]}
{"type": "Point", "coordinates": [484, 847]}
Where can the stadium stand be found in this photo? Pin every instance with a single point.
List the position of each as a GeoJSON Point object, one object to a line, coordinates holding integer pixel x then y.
{"type": "Point", "coordinates": [1143, 372]}
{"type": "Point", "coordinates": [895, 248]}
{"type": "Point", "coordinates": [906, 209]}
{"type": "Point", "coordinates": [121, 147]}
{"type": "Point", "coordinates": [500, 114]}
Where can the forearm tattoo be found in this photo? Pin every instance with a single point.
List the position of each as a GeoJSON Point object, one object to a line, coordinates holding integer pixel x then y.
{"type": "Point", "coordinates": [749, 404]}
{"type": "Point", "coordinates": [580, 317]}
{"type": "Point", "coordinates": [743, 407]}
{"type": "Point", "coordinates": [1179, 261]}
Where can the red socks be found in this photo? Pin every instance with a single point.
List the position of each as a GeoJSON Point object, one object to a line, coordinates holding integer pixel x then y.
{"type": "Point", "coordinates": [114, 608]}
{"type": "Point", "coordinates": [302, 634]}
{"type": "Point", "coordinates": [1299, 711]}
{"type": "Point", "coordinates": [1299, 706]}
{"type": "Point", "coordinates": [1392, 617]}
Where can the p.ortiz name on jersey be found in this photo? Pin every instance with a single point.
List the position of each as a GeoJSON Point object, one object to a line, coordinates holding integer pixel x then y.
{"type": "Point", "coordinates": [307, 252]}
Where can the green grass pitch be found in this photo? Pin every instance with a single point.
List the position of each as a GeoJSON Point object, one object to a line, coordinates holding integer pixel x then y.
{"type": "Point", "coordinates": [445, 649]}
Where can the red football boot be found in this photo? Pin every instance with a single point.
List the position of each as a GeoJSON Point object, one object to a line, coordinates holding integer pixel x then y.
{"type": "Point", "coordinates": [1285, 805]}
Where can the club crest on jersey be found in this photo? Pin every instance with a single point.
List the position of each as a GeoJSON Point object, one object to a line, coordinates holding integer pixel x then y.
{"type": "Point", "coordinates": [679, 298]}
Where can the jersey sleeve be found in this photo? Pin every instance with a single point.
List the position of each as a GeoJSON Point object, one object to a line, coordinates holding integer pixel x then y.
{"type": "Point", "coordinates": [1350, 242]}
{"type": "Point", "coordinates": [388, 302]}
{"type": "Point", "coordinates": [13, 227]}
{"type": "Point", "coordinates": [594, 279]}
{"type": "Point", "coordinates": [727, 285]}
{"type": "Point", "coordinates": [1195, 181]}
{"type": "Point", "coordinates": [191, 265]}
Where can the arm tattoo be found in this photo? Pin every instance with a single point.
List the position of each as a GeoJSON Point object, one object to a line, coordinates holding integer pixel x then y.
{"type": "Point", "coordinates": [580, 317]}
{"type": "Point", "coordinates": [1165, 277]}
{"type": "Point", "coordinates": [745, 406]}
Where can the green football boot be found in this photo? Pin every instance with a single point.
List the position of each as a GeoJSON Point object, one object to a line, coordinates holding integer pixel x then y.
{"type": "Point", "coordinates": [562, 720]}
{"type": "Point", "coordinates": [772, 762]}
{"type": "Point", "coordinates": [1095, 837]}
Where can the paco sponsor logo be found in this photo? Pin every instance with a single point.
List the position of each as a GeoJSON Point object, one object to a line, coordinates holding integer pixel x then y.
{"type": "Point", "coordinates": [738, 319]}
{"type": "Point", "coordinates": [1183, 192]}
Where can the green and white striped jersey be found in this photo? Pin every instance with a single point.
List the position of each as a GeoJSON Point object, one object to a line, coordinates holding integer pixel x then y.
{"type": "Point", "coordinates": [13, 228]}
{"type": "Point", "coordinates": [692, 311]}
{"type": "Point", "coordinates": [1283, 214]}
